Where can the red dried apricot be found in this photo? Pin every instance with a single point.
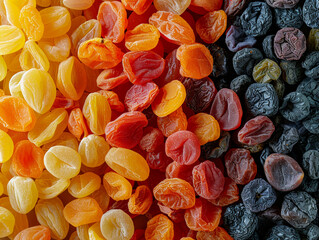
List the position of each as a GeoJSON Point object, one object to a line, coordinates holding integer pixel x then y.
{"type": "Point", "coordinates": [174, 122]}
{"type": "Point", "coordinates": [111, 78]}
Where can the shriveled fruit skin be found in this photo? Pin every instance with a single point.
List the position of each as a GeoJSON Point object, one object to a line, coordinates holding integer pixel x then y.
{"type": "Point", "coordinates": [159, 227]}
{"type": "Point", "coordinates": [31, 23]}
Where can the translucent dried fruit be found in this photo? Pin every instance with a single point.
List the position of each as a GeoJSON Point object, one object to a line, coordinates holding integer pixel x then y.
{"type": "Point", "coordinates": [13, 8]}
{"type": "Point", "coordinates": [116, 186]}
{"type": "Point", "coordinates": [84, 184]}
{"type": "Point", "coordinates": [76, 124]}
{"type": "Point", "coordinates": [12, 39]}
{"type": "Point", "coordinates": [23, 194]}
{"type": "Point", "coordinates": [111, 78]}
{"type": "Point", "coordinates": [128, 163]}
{"type": "Point", "coordinates": [62, 162]}
{"type": "Point", "coordinates": [66, 139]}
{"type": "Point", "coordinates": [138, 6]}
{"type": "Point", "coordinates": [3, 69]}
{"type": "Point", "coordinates": [229, 195]}
{"type": "Point", "coordinates": [34, 233]}
{"type": "Point", "coordinates": [176, 170]}
{"type": "Point", "coordinates": [141, 200]}
{"type": "Point", "coordinates": [95, 232]}
{"type": "Point", "coordinates": [219, 234]}
{"type": "Point", "coordinates": [31, 22]}
{"type": "Point", "coordinates": [6, 147]}
{"type": "Point", "coordinates": [159, 227]}
{"type": "Point", "coordinates": [82, 211]}
{"type": "Point", "coordinates": [56, 49]}
{"type": "Point", "coordinates": [152, 139]}
{"type": "Point", "coordinates": [174, 122]}
{"type": "Point", "coordinates": [113, 100]}
{"type": "Point", "coordinates": [78, 4]}
{"type": "Point", "coordinates": [7, 222]}
{"type": "Point", "coordinates": [177, 7]}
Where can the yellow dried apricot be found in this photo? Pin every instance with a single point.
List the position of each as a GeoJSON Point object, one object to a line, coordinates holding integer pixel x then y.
{"type": "Point", "coordinates": [57, 49]}
{"type": "Point", "coordinates": [6, 147]}
{"type": "Point", "coordinates": [116, 186]}
{"type": "Point", "coordinates": [31, 22]}
{"type": "Point", "coordinates": [7, 222]}
{"type": "Point", "coordinates": [11, 39]}
{"type": "Point", "coordinates": [85, 184]}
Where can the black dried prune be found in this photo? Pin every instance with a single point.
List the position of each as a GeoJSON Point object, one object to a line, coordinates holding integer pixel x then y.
{"type": "Point", "coordinates": [309, 185]}
{"type": "Point", "coordinates": [310, 13]}
{"type": "Point", "coordinates": [299, 209]}
{"type": "Point", "coordinates": [262, 99]}
{"type": "Point", "coordinates": [289, 17]}
{"type": "Point", "coordinates": [268, 47]}
{"type": "Point", "coordinates": [311, 65]}
{"type": "Point", "coordinates": [310, 88]}
{"type": "Point", "coordinates": [245, 60]}
{"type": "Point", "coordinates": [239, 222]}
{"type": "Point", "coordinates": [284, 139]}
{"type": "Point", "coordinates": [220, 61]}
{"type": "Point", "coordinates": [311, 123]}
{"type": "Point", "coordinates": [295, 107]}
{"type": "Point", "coordinates": [240, 84]}
{"type": "Point", "coordinates": [236, 39]}
{"type": "Point", "coordinates": [217, 148]}
{"type": "Point", "coordinates": [256, 19]}
{"type": "Point", "coordinates": [312, 142]}
{"type": "Point", "coordinates": [311, 232]}
{"type": "Point", "coordinates": [258, 195]}
{"type": "Point", "coordinates": [291, 71]}
{"type": "Point", "coordinates": [282, 232]}
{"type": "Point", "coordinates": [289, 44]}
{"type": "Point", "coordinates": [282, 3]}
{"type": "Point", "coordinates": [310, 163]}
{"type": "Point", "coordinates": [264, 154]}
{"type": "Point", "coordinates": [280, 88]}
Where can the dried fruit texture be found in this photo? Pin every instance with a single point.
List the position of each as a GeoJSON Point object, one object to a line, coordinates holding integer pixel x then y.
{"type": "Point", "coordinates": [99, 53]}
{"type": "Point", "coordinates": [229, 195]}
{"type": "Point", "coordinates": [3, 69]}
{"type": "Point", "coordinates": [85, 184]}
{"type": "Point", "coordinates": [177, 7]}
{"type": "Point", "coordinates": [176, 170]}
{"type": "Point", "coordinates": [152, 140]}
{"type": "Point", "coordinates": [128, 163]}
{"type": "Point", "coordinates": [266, 71]}
{"type": "Point", "coordinates": [159, 227]}
{"type": "Point", "coordinates": [282, 3]}
{"type": "Point", "coordinates": [140, 97]}
{"type": "Point", "coordinates": [7, 147]}
{"type": "Point", "coordinates": [31, 22]}
{"type": "Point", "coordinates": [49, 186]}
{"type": "Point", "coordinates": [32, 56]}
{"type": "Point", "coordinates": [169, 98]}
{"type": "Point", "coordinates": [113, 18]}
{"type": "Point", "coordinates": [78, 4]}
{"type": "Point", "coordinates": [127, 130]}
{"type": "Point", "coordinates": [141, 200]}
{"type": "Point", "coordinates": [142, 66]}
{"type": "Point", "coordinates": [138, 6]}
{"type": "Point", "coordinates": [82, 211]}
{"type": "Point", "coordinates": [183, 147]}
{"type": "Point", "coordinates": [174, 122]}
{"type": "Point", "coordinates": [207, 5]}
{"type": "Point", "coordinates": [35, 233]}
{"type": "Point", "coordinates": [240, 165]}
{"type": "Point", "coordinates": [49, 213]}
{"type": "Point", "coordinates": [116, 224]}
{"type": "Point", "coordinates": [158, 159]}
{"type": "Point", "coordinates": [283, 172]}
{"type": "Point", "coordinates": [7, 222]}
{"type": "Point", "coordinates": [211, 26]}
{"type": "Point", "coordinates": [143, 37]}
{"type": "Point", "coordinates": [111, 78]}
{"type": "Point", "coordinates": [13, 8]}
{"type": "Point", "coordinates": [226, 108]}
{"type": "Point", "coordinates": [66, 139]}
{"type": "Point", "coordinates": [256, 131]}
{"type": "Point", "coordinates": [113, 100]}
{"type": "Point", "coordinates": [218, 234]}
{"type": "Point", "coordinates": [208, 180]}
{"type": "Point", "coordinates": [173, 27]}
{"type": "Point", "coordinates": [11, 39]}
{"type": "Point", "coordinates": [196, 61]}
{"type": "Point", "coordinates": [205, 127]}
{"type": "Point", "coordinates": [232, 7]}
{"type": "Point", "coordinates": [27, 159]}
{"type": "Point", "coordinates": [62, 162]}
{"type": "Point", "coordinates": [23, 194]}
{"type": "Point", "coordinates": [56, 49]}
{"type": "Point", "coordinates": [175, 193]}
{"type": "Point", "coordinates": [76, 124]}
{"type": "Point", "coordinates": [116, 186]}
{"type": "Point", "coordinates": [203, 216]}
{"type": "Point", "coordinates": [49, 127]}
{"type": "Point", "coordinates": [88, 30]}
{"type": "Point", "coordinates": [97, 112]}
{"type": "Point", "coordinates": [16, 115]}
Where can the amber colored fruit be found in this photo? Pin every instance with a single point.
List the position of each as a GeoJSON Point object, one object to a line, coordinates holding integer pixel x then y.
{"type": "Point", "coordinates": [78, 4]}
{"type": "Point", "coordinates": [7, 222]}
{"type": "Point", "coordinates": [173, 27]}
{"type": "Point", "coordinates": [116, 186]}
{"type": "Point", "coordinates": [84, 184]}
{"type": "Point", "coordinates": [218, 234]}
{"type": "Point", "coordinates": [99, 53]}
{"type": "Point", "coordinates": [111, 78]}
{"type": "Point", "coordinates": [31, 22]}
{"type": "Point", "coordinates": [138, 6]}
{"type": "Point", "coordinates": [128, 163]}
{"type": "Point", "coordinates": [102, 198]}
{"type": "Point", "coordinates": [16, 115]}
{"type": "Point", "coordinates": [34, 233]}
{"type": "Point", "coordinates": [113, 100]}
{"type": "Point", "coordinates": [205, 127]}
{"type": "Point", "coordinates": [82, 211]}
{"type": "Point", "coordinates": [208, 5]}
{"type": "Point", "coordinates": [169, 98]}
{"type": "Point", "coordinates": [159, 227]}
{"type": "Point", "coordinates": [152, 140]}
{"type": "Point", "coordinates": [141, 200]}
{"type": "Point", "coordinates": [76, 124]}
{"type": "Point", "coordinates": [196, 61]}
{"type": "Point", "coordinates": [211, 26]}
{"type": "Point", "coordinates": [174, 122]}
{"type": "Point", "coordinates": [229, 195]}
{"type": "Point", "coordinates": [11, 39]}
{"type": "Point", "coordinates": [174, 6]}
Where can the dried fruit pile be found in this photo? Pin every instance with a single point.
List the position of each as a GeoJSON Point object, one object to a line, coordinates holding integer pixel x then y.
{"type": "Point", "coordinates": [159, 119]}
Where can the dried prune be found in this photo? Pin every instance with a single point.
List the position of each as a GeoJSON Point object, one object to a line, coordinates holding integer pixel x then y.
{"type": "Point", "coordinates": [311, 232]}
{"type": "Point", "coordinates": [239, 222]}
{"type": "Point", "coordinates": [309, 185]}
{"type": "Point", "coordinates": [240, 84]}
{"type": "Point", "coordinates": [244, 60]}
{"type": "Point", "coordinates": [282, 3]}
{"type": "Point", "coordinates": [280, 88]}
{"type": "Point", "coordinates": [256, 19]}
{"type": "Point", "coordinates": [299, 209]}
{"type": "Point", "coordinates": [258, 195]}
{"type": "Point", "coordinates": [295, 107]}
{"type": "Point", "coordinates": [311, 123]}
{"type": "Point", "coordinates": [310, 163]}
{"type": "Point", "coordinates": [310, 88]}
{"type": "Point", "coordinates": [236, 39]}
{"type": "Point", "coordinates": [217, 148]}
{"type": "Point", "coordinates": [283, 172]}
{"type": "Point", "coordinates": [262, 99]}
{"type": "Point", "coordinates": [268, 47]}
{"type": "Point", "coordinates": [292, 72]}
{"type": "Point", "coordinates": [289, 44]}
{"type": "Point", "coordinates": [310, 13]}
{"type": "Point", "coordinates": [220, 68]}
{"type": "Point", "coordinates": [282, 232]}
{"type": "Point", "coordinates": [289, 17]}
{"type": "Point", "coordinates": [311, 65]}
{"type": "Point", "coordinates": [266, 70]}
{"type": "Point", "coordinates": [284, 139]}
{"type": "Point", "coordinates": [264, 154]}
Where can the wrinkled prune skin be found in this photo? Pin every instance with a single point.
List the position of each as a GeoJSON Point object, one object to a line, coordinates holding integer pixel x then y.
{"type": "Point", "coordinates": [310, 88]}
{"type": "Point", "coordinates": [310, 163]}
{"type": "Point", "coordinates": [284, 139]}
{"type": "Point", "coordinates": [313, 40]}
{"type": "Point", "coordinates": [292, 72]}
{"type": "Point", "coordinates": [264, 154]}
{"type": "Point", "coordinates": [311, 232]}
{"type": "Point", "coordinates": [236, 39]}
{"type": "Point", "coordinates": [282, 232]}
{"type": "Point", "coordinates": [299, 209]}
{"type": "Point", "coordinates": [268, 47]}
{"type": "Point", "coordinates": [217, 148]}
{"type": "Point", "coordinates": [289, 17]}
{"type": "Point", "coordinates": [258, 195]}
{"type": "Point", "coordinates": [220, 61]}
{"type": "Point", "coordinates": [282, 3]}
{"type": "Point", "coordinates": [309, 185]}
{"type": "Point", "coordinates": [262, 99]}
{"type": "Point", "coordinates": [311, 123]}
{"type": "Point", "coordinates": [271, 215]}
{"type": "Point", "coordinates": [240, 84]}
{"type": "Point", "coordinates": [312, 142]}
{"type": "Point", "coordinates": [245, 60]}
{"type": "Point", "coordinates": [311, 65]}
{"type": "Point", "coordinates": [280, 88]}
{"type": "Point", "coordinates": [256, 19]}
{"type": "Point", "coordinates": [295, 107]}
{"type": "Point", "coordinates": [239, 222]}
{"type": "Point", "coordinates": [310, 13]}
